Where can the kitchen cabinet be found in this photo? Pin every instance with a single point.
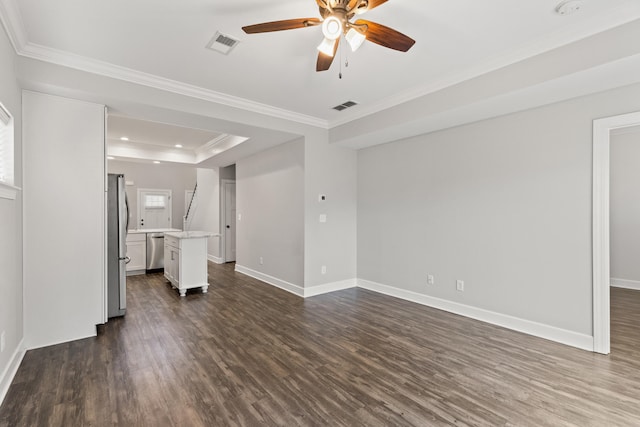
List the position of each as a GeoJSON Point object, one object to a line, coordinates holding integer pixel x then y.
{"type": "Point", "coordinates": [185, 260]}
{"type": "Point", "coordinates": [137, 252]}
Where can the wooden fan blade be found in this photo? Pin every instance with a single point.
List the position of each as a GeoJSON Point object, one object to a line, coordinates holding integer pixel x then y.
{"type": "Point", "coordinates": [385, 36]}
{"type": "Point", "coordinates": [325, 61]}
{"type": "Point", "coordinates": [287, 24]}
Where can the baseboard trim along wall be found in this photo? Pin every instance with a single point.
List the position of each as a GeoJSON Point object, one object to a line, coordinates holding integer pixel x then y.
{"type": "Point", "coordinates": [215, 259]}
{"type": "Point", "coordinates": [325, 288]}
{"type": "Point", "coordinates": [11, 370]}
{"type": "Point", "coordinates": [552, 333]}
{"type": "Point", "coordinates": [562, 336]}
{"type": "Point", "coordinates": [626, 284]}
{"type": "Point", "coordinates": [274, 281]}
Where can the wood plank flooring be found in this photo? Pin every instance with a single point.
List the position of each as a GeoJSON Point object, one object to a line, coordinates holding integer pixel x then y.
{"type": "Point", "coordinates": [250, 354]}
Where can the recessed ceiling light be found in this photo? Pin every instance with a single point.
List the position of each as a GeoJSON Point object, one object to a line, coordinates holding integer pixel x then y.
{"type": "Point", "coordinates": [110, 158]}
{"type": "Point", "coordinates": [124, 138]}
{"type": "Point", "coordinates": [156, 162]}
{"type": "Point", "coordinates": [178, 145]}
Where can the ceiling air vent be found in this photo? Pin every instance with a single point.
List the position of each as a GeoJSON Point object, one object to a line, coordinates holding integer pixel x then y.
{"type": "Point", "coordinates": [345, 105]}
{"type": "Point", "coordinates": [222, 43]}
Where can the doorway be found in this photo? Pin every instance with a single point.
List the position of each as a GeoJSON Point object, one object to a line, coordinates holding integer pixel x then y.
{"type": "Point", "coordinates": [228, 220]}
{"type": "Point", "coordinates": [154, 209]}
{"type": "Point", "coordinates": [601, 234]}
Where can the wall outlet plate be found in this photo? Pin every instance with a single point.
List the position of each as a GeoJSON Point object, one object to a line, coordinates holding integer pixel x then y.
{"type": "Point", "coordinates": [460, 285]}
{"type": "Point", "coordinates": [2, 342]}
{"type": "Point", "coordinates": [430, 279]}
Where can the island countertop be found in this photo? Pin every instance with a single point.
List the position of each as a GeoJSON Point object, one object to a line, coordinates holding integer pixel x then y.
{"type": "Point", "coordinates": [151, 230]}
{"type": "Point", "coordinates": [190, 234]}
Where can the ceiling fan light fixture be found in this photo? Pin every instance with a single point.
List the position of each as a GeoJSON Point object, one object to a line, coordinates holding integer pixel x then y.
{"type": "Point", "coordinates": [332, 28]}
{"type": "Point", "coordinates": [326, 46]}
{"type": "Point", "coordinates": [355, 39]}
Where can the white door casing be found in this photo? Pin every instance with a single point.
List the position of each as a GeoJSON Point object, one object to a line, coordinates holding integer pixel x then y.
{"type": "Point", "coordinates": [228, 220]}
{"type": "Point", "coordinates": [601, 237]}
{"type": "Point", "coordinates": [154, 208]}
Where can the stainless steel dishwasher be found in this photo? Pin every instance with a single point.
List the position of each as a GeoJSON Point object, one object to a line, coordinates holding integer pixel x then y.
{"type": "Point", "coordinates": [155, 251]}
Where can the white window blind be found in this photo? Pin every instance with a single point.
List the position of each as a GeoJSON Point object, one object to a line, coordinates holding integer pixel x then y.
{"type": "Point", "coordinates": [6, 146]}
{"type": "Point", "coordinates": [154, 202]}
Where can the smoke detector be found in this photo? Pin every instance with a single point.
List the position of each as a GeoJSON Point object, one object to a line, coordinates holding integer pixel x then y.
{"type": "Point", "coordinates": [568, 7]}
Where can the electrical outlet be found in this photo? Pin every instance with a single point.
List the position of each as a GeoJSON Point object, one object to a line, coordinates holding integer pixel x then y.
{"type": "Point", "coordinates": [2, 343]}
{"type": "Point", "coordinates": [323, 269]}
{"type": "Point", "coordinates": [460, 285]}
{"type": "Point", "coordinates": [261, 261]}
{"type": "Point", "coordinates": [430, 279]}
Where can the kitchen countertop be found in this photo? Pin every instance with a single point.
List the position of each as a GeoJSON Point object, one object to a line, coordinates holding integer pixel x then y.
{"type": "Point", "coordinates": [152, 230]}
{"type": "Point", "coordinates": [190, 234]}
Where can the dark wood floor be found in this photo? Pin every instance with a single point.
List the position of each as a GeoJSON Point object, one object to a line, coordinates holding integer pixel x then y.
{"type": "Point", "coordinates": [250, 354]}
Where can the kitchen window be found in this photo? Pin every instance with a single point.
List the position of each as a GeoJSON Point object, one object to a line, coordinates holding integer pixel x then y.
{"type": "Point", "coordinates": [7, 190]}
{"type": "Point", "coordinates": [153, 201]}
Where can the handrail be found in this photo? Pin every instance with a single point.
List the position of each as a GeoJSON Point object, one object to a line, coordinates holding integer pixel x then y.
{"type": "Point", "coordinates": [193, 195]}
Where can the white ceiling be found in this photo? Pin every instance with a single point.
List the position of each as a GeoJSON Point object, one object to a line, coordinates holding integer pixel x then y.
{"type": "Point", "coordinates": [164, 41]}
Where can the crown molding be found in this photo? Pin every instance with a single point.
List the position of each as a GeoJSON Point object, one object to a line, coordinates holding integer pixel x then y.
{"type": "Point", "coordinates": [12, 22]}
{"type": "Point", "coordinates": [616, 17]}
{"type": "Point", "coordinates": [82, 63]}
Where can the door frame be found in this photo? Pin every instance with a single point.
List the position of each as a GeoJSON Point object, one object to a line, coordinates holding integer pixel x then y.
{"type": "Point", "coordinates": [159, 190]}
{"type": "Point", "coordinates": [223, 218]}
{"type": "Point", "coordinates": [601, 235]}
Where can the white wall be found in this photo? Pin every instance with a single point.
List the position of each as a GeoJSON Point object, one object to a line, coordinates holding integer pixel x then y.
{"type": "Point", "coordinates": [205, 214]}
{"type": "Point", "coordinates": [270, 201]}
{"type": "Point", "coordinates": [166, 176]}
{"type": "Point", "coordinates": [64, 218]}
{"type": "Point", "coordinates": [330, 171]}
{"type": "Point", "coordinates": [503, 204]}
{"type": "Point", "coordinates": [11, 305]}
{"type": "Point", "coordinates": [625, 208]}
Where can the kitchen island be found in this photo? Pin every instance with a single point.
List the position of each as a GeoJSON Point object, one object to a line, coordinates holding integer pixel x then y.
{"type": "Point", "coordinates": [141, 253]}
{"type": "Point", "coordinates": [185, 260]}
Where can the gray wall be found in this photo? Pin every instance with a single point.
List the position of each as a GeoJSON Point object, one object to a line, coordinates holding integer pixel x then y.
{"type": "Point", "coordinates": [625, 206]}
{"type": "Point", "coordinates": [64, 248]}
{"type": "Point", "coordinates": [205, 215]}
{"type": "Point", "coordinates": [166, 176]}
{"type": "Point", "coordinates": [11, 290]}
{"type": "Point", "coordinates": [503, 204]}
{"type": "Point", "coordinates": [270, 199]}
{"type": "Point", "coordinates": [331, 171]}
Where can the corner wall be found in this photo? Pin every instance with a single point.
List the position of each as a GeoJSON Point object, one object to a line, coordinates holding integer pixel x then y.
{"type": "Point", "coordinates": [270, 209]}
{"type": "Point", "coordinates": [330, 171]}
{"type": "Point", "coordinates": [11, 289]}
{"type": "Point", "coordinates": [503, 204]}
{"type": "Point", "coordinates": [625, 209]}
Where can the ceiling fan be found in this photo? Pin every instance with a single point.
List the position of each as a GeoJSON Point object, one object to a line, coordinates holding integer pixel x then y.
{"type": "Point", "coordinates": [336, 21]}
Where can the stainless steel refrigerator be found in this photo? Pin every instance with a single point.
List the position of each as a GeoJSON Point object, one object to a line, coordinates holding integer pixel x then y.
{"type": "Point", "coordinates": [117, 224]}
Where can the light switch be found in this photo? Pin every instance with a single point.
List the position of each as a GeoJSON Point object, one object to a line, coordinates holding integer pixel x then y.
{"type": "Point", "coordinates": [239, 217]}
{"type": "Point", "coordinates": [323, 217]}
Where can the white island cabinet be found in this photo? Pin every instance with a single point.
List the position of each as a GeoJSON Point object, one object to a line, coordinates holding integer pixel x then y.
{"type": "Point", "coordinates": [185, 260]}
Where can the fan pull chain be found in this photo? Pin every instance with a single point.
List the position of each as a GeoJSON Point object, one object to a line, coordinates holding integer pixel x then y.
{"type": "Point", "coordinates": [340, 73]}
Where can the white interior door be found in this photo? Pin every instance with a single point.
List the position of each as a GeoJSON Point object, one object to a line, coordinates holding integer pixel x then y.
{"type": "Point", "coordinates": [230, 221]}
{"type": "Point", "coordinates": [154, 209]}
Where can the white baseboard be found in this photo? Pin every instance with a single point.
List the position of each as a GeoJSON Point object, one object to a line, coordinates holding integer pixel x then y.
{"type": "Point", "coordinates": [11, 370]}
{"type": "Point", "coordinates": [626, 284]}
{"type": "Point", "coordinates": [215, 259]}
{"type": "Point", "coordinates": [329, 287]}
{"type": "Point", "coordinates": [574, 339]}
{"type": "Point", "coordinates": [274, 281]}
{"type": "Point", "coordinates": [552, 333]}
